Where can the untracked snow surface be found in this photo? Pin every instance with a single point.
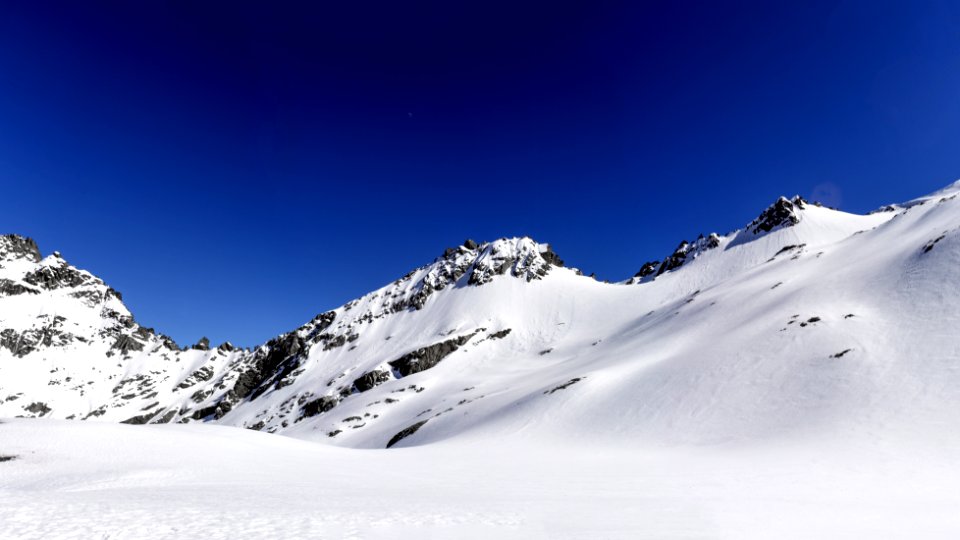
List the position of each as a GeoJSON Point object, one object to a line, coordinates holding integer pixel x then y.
{"type": "Point", "coordinates": [96, 480]}
{"type": "Point", "coordinates": [796, 378]}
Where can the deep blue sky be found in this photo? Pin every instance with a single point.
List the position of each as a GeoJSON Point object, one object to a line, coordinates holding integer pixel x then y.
{"type": "Point", "coordinates": [235, 168]}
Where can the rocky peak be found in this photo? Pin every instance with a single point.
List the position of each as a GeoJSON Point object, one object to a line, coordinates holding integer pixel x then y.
{"type": "Point", "coordinates": [782, 213]}
{"type": "Point", "coordinates": [648, 269]}
{"type": "Point", "coordinates": [685, 252]}
{"type": "Point", "coordinates": [14, 247]}
{"type": "Point", "coordinates": [517, 257]}
{"type": "Point", "coordinates": [54, 273]}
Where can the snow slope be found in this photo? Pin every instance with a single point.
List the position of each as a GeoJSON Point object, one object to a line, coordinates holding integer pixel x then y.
{"type": "Point", "coordinates": [807, 320]}
{"type": "Point", "coordinates": [797, 378]}
{"type": "Point", "coordinates": [81, 480]}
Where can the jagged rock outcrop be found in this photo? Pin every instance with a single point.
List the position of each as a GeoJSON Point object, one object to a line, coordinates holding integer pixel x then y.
{"type": "Point", "coordinates": [56, 275]}
{"type": "Point", "coordinates": [126, 344]}
{"type": "Point", "coordinates": [684, 253]}
{"type": "Point", "coordinates": [371, 379]}
{"type": "Point", "coordinates": [14, 247]}
{"type": "Point", "coordinates": [427, 357]}
{"type": "Point", "coordinates": [12, 288]}
{"type": "Point", "coordinates": [648, 269]}
{"type": "Point", "coordinates": [782, 213]}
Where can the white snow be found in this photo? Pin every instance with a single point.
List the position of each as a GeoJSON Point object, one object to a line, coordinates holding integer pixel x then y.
{"type": "Point", "coordinates": [801, 383]}
{"type": "Point", "coordinates": [95, 480]}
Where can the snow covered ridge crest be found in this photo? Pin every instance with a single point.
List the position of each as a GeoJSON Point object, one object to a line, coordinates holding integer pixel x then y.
{"type": "Point", "coordinates": [503, 334]}
{"type": "Point", "coordinates": [781, 214]}
{"type": "Point", "coordinates": [470, 264]}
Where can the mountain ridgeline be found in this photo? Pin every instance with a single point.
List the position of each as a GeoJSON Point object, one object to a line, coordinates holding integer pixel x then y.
{"type": "Point", "coordinates": [807, 318]}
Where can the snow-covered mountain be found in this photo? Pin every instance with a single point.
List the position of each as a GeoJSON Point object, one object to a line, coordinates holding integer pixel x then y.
{"type": "Point", "coordinates": [808, 318]}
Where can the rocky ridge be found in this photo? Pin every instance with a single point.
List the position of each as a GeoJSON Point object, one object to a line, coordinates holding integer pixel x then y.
{"type": "Point", "coordinates": [421, 354]}
{"type": "Point", "coordinates": [72, 312]}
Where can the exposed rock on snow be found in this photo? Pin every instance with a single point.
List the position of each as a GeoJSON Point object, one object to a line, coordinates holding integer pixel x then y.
{"type": "Point", "coordinates": [371, 379]}
{"type": "Point", "coordinates": [564, 386]}
{"type": "Point", "coordinates": [403, 434]}
{"type": "Point", "coordinates": [14, 247]}
{"type": "Point", "coordinates": [648, 269]}
{"type": "Point", "coordinates": [12, 288]}
{"type": "Point", "coordinates": [427, 357]}
{"type": "Point", "coordinates": [783, 213]}
{"type": "Point", "coordinates": [705, 325]}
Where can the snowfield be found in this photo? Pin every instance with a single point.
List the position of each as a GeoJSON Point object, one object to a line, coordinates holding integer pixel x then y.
{"type": "Point", "coordinates": [797, 378]}
{"type": "Point", "coordinates": [95, 480]}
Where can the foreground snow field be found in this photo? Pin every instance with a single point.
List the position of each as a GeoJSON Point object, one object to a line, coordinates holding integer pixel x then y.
{"type": "Point", "coordinates": [95, 480]}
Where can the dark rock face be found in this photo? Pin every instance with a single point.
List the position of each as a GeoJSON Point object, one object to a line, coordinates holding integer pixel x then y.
{"type": "Point", "coordinates": [54, 277]}
{"type": "Point", "coordinates": [371, 379]}
{"type": "Point", "coordinates": [405, 433]}
{"type": "Point", "coordinates": [676, 259]}
{"type": "Point", "coordinates": [332, 342]}
{"type": "Point", "coordinates": [709, 242]}
{"type": "Point", "coordinates": [648, 269]}
{"type": "Point", "coordinates": [427, 357]}
{"type": "Point", "coordinates": [125, 344]}
{"type": "Point", "coordinates": [14, 246]}
{"type": "Point", "coordinates": [203, 374]}
{"type": "Point", "coordinates": [169, 343]}
{"type": "Point", "coordinates": [12, 288]}
{"type": "Point", "coordinates": [271, 363]}
{"type": "Point", "coordinates": [782, 213]}
{"type": "Point", "coordinates": [500, 335]}
{"type": "Point", "coordinates": [144, 332]}
{"type": "Point", "coordinates": [551, 257]}
{"type": "Point", "coordinates": [470, 244]}
{"type": "Point", "coordinates": [319, 406]}
{"type": "Point", "coordinates": [166, 418]}
{"type": "Point", "coordinates": [686, 252]}
{"type": "Point", "coordinates": [14, 342]}
{"type": "Point", "coordinates": [202, 345]}
{"type": "Point", "coordinates": [38, 407]}
{"type": "Point", "coordinates": [7, 458]}
{"type": "Point", "coordinates": [215, 410]}
{"type": "Point", "coordinates": [318, 324]}
{"type": "Point", "coordinates": [138, 420]}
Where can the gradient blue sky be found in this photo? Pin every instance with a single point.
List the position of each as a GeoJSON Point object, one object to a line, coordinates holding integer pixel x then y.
{"type": "Point", "coordinates": [234, 168]}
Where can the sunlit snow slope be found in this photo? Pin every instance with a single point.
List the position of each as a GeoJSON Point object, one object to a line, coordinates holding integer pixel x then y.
{"type": "Point", "coordinates": [806, 320]}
